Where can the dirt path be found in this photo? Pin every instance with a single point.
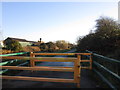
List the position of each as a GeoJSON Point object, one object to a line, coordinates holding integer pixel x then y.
{"type": "Point", "coordinates": [86, 81]}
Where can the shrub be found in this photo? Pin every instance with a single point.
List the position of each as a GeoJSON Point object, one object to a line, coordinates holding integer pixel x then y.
{"type": "Point", "coordinates": [13, 45]}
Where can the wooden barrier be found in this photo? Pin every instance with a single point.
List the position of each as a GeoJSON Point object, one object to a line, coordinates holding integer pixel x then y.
{"type": "Point", "coordinates": [76, 68]}
{"type": "Point", "coordinates": [11, 62]}
{"type": "Point", "coordinates": [107, 69]}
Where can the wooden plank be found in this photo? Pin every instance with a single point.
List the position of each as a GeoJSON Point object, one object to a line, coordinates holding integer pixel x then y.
{"type": "Point", "coordinates": [32, 63]}
{"type": "Point", "coordinates": [77, 71]}
{"type": "Point", "coordinates": [104, 58]}
{"type": "Point", "coordinates": [83, 53]}
{"type": "Point", "coordinates": [38, 79]}
{"type": "Point", "coordinates": [39, 68]}
{"type": "Point", "coordinates": [12, 54]}
{"type": "Point", "coordinates": [85, 67]}
{"type": "Point", "coordinates": [105, 79]}
{"type": "Point", "coordinates": [90, 62]}
{"type": "Point", "coordinates": [54, 53]}
{"type": "Point", "coordinates": [54, 66]}
{"type": "Point", "coordinates": [106, 70]}
{"type": "Point", "coordinates": [44, 59]}
{"type": "Point", "coordinates": [85, 61]}
{"type": "Point", "coordinates": [54, 60]}
{"type": "Point", "coordinates": [62, 53]}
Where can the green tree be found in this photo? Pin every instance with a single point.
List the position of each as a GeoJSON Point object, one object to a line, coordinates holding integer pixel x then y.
{"type": "Point", "coordinates": [13, 45]}
{"type": "Point", "coordinates": [108, 32]}
{"type": "Point", "coordinates": [62, 44]}
{"type": "Point", "coordinates": [48, 47]}
{"type": "Point", "coordinates": [43, 47]}
{"type": "Point", "coordinates": [51, 46]}
{"type": "Point", "coordinates": [105, 38]}
{"type": "Point", "coordinates": [71, 46]}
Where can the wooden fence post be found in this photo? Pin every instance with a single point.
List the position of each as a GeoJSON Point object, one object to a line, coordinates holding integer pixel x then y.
{"type": "Point", "coordinates": [77, 70]}
{"type": "Point", "coordinates": [90, 62]}
{"type": "Point", "coordinates": [32, 62]}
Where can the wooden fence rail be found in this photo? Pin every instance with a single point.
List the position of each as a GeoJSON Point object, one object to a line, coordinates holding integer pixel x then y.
{"type": "Point", "coordinates": [76, 68]}
{"type": "Point", "coordinates": [107, 69]}
{"type": "Point", "coordinates": [3, 62]}
{"type": "Point", "coordinates": [13, 54]}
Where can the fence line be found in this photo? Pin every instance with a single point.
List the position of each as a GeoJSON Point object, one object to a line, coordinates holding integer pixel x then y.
{"type": "Point", "coordinates": [100, 63]}
{"type": "Point", "coordinates": [76, 68]}
{"type": "Point", "coordinates": [13, 54]}
{"type": "Point", "coordinates": [11, 61]}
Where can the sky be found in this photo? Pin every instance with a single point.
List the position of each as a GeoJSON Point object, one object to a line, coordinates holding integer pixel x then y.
{"type": "Point", "coordinates": [53, 21]}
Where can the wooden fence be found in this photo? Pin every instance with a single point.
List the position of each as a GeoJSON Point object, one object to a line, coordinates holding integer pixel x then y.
{"type": "Point", "coordinates": [12, 62]}
{"type": "Point", "coordinates": [107, 69]}
{"type": "Point", "coordinates": [76, 68]}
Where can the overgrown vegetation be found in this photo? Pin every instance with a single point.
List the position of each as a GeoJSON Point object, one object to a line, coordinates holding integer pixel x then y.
{"type": "Point", "coordinates": [55, 46]}
{"type": "Point", "coordinates": [105, 39]}
{"type": "Point", "coordinates": [31, 49]}
{"type": "Point", "coordinates": [15, 46]}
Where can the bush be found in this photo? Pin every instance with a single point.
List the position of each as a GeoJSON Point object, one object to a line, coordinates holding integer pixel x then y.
{"type": "Point", "coordinates": [48, 47]}
{"type": "Point", "coordinates": [61, 44]}
{"type": "Point", "coordinates": [51, 46]}
{"type": "Point", "coordinates": [13, 45]}
{"type": "Point", "coordinates": [43, 47]}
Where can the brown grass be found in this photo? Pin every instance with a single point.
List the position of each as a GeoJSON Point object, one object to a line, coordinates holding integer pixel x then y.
{"type": "Point", "coordinates": [25, 49]}
{"type": "Point", "coordinates": [5, 51]}
{"type": "Point", "coordinates": [31, 49]}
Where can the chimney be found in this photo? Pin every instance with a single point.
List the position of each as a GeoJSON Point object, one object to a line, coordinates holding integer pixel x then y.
{"type": "Point", "coordinates": [40, 40]}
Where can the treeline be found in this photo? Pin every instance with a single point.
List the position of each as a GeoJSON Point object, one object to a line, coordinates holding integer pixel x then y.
{"type": "Point", "coordinates": [15, 46]}
{"type": "Point", "coordinates": [105, 39]}
{"type": "Point", "coordinates": [54, 46]}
